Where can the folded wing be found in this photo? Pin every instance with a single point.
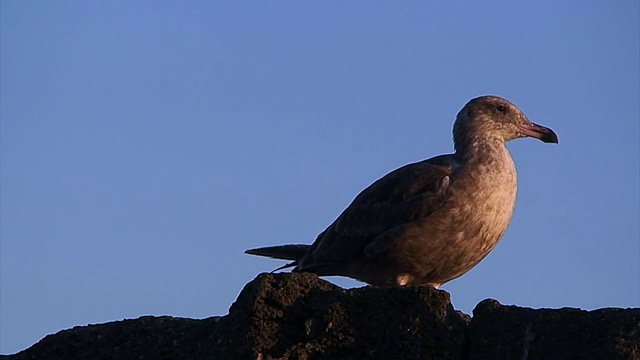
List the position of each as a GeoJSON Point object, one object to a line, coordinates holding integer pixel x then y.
{"type": "Point", "coordinates": [411, 192]}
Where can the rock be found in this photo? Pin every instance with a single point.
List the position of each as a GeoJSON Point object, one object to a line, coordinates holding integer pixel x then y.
{"type": "Point", "coordinates": [511, 332]}
{"type": "Point", "coordinates": [147, 337]}
{"type": "Point", "coordinates": [300, 316]}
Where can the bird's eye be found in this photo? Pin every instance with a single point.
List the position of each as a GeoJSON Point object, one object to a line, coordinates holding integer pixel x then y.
{"type": "Point", "coordinates": [501, 108]}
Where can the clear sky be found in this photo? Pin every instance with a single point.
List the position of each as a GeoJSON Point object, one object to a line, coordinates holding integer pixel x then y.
{"type": "Point", "coordinates": [146, 144]}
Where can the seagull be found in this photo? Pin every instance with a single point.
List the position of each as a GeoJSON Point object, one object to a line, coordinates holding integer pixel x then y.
{"type": "Point", "coordinates": [428, 222]}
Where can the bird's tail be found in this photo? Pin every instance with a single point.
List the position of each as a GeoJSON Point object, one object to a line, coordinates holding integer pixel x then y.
{"type": "Point", "coordinates": [284, 252]}
{"type": "Point", "coordinates": [293, 252]}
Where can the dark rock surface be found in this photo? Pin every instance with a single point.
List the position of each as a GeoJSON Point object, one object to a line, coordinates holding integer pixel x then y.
{"type": "Point", "coordinates": [511, 332]}
{"type": "Point", "coordinates": [299, 316]}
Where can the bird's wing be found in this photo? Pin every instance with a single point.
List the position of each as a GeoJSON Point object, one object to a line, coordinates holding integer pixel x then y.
{"type": "Point", "coordinates": [411, 192]}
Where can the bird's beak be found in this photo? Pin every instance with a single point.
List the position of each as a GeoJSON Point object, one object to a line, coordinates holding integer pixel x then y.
{"type": "Point", "coordinates": [540, 132]}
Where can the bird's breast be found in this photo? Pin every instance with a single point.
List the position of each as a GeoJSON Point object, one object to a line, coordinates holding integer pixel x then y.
{"type": "Point", "coordinates": [483, 197]}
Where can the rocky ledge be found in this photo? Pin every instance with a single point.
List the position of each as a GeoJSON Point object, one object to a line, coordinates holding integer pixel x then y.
{"type": "Point", "coordinates": [299, 316]}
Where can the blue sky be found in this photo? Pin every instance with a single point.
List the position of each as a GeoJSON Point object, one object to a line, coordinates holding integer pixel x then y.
{"type": "Point", "coordinates": [146, 144]}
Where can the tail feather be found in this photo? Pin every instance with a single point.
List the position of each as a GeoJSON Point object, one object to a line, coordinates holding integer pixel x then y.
{"type": "Point", "coordinates": [285, 252]}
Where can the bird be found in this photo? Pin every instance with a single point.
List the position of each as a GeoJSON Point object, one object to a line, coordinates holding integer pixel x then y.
{"type": "Point", "coordinates": [429, 222]}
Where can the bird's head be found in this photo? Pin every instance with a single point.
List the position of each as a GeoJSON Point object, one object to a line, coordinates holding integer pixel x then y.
{"type": "Point", "coordinates": [495, 118]}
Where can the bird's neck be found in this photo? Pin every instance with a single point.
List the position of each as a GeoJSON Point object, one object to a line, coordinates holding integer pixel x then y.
{"type": "Point", "coordinates": [481, 150]}
{"type": "Point", "coordinates": [489, 178]}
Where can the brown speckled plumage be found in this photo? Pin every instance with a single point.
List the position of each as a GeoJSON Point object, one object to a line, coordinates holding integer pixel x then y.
{"type": "Point", "coordinates": [432, 221]}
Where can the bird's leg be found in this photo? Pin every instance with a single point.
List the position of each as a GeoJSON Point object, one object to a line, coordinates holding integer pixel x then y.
{"type": "Point", "coordinates": [404, 279]}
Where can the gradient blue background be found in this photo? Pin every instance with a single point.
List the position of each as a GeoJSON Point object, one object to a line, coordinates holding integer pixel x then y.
{"type": "Point", "coordinates": [146, 144]}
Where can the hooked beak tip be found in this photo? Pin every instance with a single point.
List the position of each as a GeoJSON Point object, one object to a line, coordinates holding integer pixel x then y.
{"type": "Point", "coordinates": [540, 132]}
